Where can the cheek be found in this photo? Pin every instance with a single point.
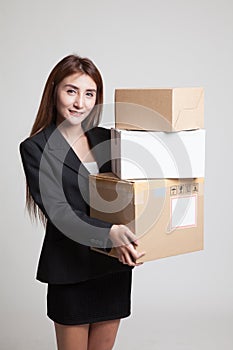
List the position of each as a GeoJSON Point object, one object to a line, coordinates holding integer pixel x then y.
{"type": "Point", "coordinates": [91, 104]}
{"type": "Point", "coordinates": [59, 107]}
{"type": "Point", "coordinates": [63, 100]}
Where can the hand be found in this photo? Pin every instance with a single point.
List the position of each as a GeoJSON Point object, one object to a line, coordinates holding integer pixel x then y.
{"type": "Point", "coordinates": [125, 244]}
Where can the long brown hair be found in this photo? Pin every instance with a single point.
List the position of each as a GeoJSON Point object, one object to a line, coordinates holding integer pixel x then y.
{"type": "Point", "coordinates": [47, 110]}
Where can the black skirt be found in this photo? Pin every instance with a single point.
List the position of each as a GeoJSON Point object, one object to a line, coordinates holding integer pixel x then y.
{"type": "Point", "coordinates": [100, 299]}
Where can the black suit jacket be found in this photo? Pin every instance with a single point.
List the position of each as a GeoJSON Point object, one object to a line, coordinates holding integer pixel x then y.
{"type": "Point", "coordinates": [58, 183]}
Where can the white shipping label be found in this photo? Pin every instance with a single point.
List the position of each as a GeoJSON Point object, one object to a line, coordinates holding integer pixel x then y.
{"type": "Point", "coordinates": [183, 212]}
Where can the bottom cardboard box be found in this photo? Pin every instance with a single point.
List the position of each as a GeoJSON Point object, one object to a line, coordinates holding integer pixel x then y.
{"type": "Point", "coordinates": [166, 215]}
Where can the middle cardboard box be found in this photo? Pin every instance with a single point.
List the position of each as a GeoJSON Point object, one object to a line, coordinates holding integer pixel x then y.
{"type": "Point", "coordinates": [166, 215]}
{"type": "Point", "coordinates": [147, 154]}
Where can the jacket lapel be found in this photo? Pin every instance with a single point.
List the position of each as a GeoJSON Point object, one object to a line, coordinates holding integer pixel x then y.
{"type": "Point", "coordinates": [57, 146]}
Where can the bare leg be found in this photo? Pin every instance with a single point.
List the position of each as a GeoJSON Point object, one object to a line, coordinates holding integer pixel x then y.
{"type": "Point", "coordinates": [72, 337]}
{"type": "Point", "coordinates": [102, 335]}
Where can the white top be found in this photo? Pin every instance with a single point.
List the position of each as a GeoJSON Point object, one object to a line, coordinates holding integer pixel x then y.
{"type": "Point", "coordinates": [92, 167]}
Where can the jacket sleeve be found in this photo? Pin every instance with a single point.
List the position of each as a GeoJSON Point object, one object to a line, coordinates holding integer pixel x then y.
{"type": "Point", "coordinates": [45, 186]}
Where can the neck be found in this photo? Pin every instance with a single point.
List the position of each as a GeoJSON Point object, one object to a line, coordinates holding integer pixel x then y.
{"type": "Point", "coordinates": [71, 132]}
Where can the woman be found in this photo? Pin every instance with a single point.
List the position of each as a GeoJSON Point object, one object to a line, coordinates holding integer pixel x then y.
{"type": "Point", "coordinates": [88, 292]}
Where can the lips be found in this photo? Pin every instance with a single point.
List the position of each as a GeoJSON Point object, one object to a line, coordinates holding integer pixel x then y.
{"type": "Point", "coordinates": [76, 113]}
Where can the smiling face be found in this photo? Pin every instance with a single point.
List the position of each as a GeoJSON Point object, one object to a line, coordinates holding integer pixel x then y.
{"type": "Point", "coordinates": [75, 99]}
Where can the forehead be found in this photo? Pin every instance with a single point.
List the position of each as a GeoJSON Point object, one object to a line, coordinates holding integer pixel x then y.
{"type": "Point", "coordinates": [80, 80]}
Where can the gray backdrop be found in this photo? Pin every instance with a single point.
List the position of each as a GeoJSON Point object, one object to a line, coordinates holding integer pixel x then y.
{"type": "Point", "coordinates": [183, 302]}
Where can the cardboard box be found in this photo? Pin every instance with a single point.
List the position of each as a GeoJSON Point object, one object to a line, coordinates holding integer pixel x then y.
{"type": "Point", "coordinates": [170, 109]}
{"type": "Point", "coordinates": [143, 154]}
{"type": "Point", "coordinates": [165, 215]}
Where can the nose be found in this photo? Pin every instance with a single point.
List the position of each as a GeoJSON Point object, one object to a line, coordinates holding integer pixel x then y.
{"type": "Point", "coordinates": [79, 101]}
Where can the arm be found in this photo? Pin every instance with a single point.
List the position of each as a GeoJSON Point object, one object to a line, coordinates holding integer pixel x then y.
{"type": "Point", "coordinates": [45, 185]}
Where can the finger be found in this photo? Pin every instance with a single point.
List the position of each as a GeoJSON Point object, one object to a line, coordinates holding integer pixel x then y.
{"type": "Point", "coordinates": [131, 238]}
{"type": "Point", "coordinates": [133, 251]}
{"type": "Point", "coordinates": [123, 260]}
{"type": "Point", "coordinates": [121, 256]}
{"type": "Point", "coordinates": [141, 255]}
{"type": "Point", "coordinates": [120, 259]}
{"type": "Point", "coordinates": [125, 256]}
{"type": "Point", "coordinates": [129, 259]}
{"type": "Point", "coordinates": [137, 255]}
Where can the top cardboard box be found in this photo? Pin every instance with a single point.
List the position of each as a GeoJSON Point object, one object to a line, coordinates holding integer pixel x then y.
{"type": "Point", "coordinates": [170, 109]}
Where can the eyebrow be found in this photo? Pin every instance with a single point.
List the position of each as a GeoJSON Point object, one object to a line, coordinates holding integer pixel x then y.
{"type": "Point", "coordinates": [76, 88]}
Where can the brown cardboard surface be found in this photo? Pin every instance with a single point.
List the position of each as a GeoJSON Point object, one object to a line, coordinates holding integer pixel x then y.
{"type": "Point", "coordinates": [147, 208]}
{"type": "Point", "coordinates": [166, 109]}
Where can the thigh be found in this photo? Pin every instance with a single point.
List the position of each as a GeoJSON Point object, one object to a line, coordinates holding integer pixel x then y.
{"type": "Point", "coordinates": [102, 335]}
{"type": "Point", "coordinates": [71, 337]}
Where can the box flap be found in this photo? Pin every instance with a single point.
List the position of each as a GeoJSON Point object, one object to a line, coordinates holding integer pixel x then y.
{"type": "Point", "coordinates": [188, 108]}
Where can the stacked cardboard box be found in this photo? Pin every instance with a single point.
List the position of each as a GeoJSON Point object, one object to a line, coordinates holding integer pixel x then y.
{"type": "Point", "coordinates": [171, 109]}
{"type": "Point", "coordinates": [158, 155]}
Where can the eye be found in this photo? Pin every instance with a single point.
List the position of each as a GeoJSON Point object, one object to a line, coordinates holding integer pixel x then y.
{"type": "Point", "coordinates": [90, 94]}
{"type": "Point", "coordinates": [71, 92]}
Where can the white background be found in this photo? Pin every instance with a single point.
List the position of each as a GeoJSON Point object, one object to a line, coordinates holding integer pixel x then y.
{"type": "Point", "coordinates": [179, 303]}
